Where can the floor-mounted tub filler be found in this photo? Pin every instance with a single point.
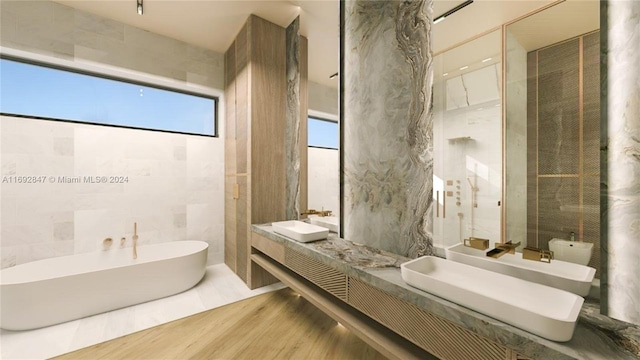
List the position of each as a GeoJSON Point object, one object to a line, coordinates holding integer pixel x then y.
{"type": "Point", "coordinates": [542, 310]}
{"type": "Point", "coordinates": [56, 290]}
{"type": "Point", "coordinates": [559, 274]}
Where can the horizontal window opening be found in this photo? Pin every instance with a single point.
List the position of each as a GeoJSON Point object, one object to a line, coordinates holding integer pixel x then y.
{"type": "Point", "coordinates": [323, 133]}
{"type": "Point", "coordinates": [45, 92]}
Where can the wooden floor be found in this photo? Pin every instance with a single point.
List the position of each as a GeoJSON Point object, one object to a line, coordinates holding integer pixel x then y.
{"type": "Point", "coordinates": [277, 325]}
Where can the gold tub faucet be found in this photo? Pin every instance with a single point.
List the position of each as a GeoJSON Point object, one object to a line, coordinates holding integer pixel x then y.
{"type": "Point", "coordinates": [309, 212]}
{"type": "Point", "coordinates": [135, 240]}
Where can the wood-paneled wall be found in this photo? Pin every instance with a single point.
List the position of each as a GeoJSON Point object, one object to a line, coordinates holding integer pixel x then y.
{"type": "Point", "coordinates": [255, 99]}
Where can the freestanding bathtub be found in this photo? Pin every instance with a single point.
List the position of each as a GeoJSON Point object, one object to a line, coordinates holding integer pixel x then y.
{"type": "Point", "coordinates": [56, 290]}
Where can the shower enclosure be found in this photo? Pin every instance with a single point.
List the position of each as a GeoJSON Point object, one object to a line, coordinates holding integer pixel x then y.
{"type": "Point", "coordinates": [468, 141]}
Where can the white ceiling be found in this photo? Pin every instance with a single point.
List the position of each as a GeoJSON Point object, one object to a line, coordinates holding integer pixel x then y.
{"type": "Point", "coordinates": [213, 24]}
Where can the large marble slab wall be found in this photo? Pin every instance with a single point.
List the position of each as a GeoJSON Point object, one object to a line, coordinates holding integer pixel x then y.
{"type": "Point", "coordinates": [387, 125]}
{"type": "Point", "coordinates": [296, 121]}
{"type": "Point", "coordinates": [623, 100]}
{"type": "Point", "coordinates": [292, 138]}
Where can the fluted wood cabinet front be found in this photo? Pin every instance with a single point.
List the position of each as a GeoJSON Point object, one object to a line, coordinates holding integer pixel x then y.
{"type": "Point", "coordinates": [255, 100]}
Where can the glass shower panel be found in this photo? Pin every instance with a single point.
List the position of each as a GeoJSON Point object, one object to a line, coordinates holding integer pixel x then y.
{"type": "Point", "coordinates": [468, 142]}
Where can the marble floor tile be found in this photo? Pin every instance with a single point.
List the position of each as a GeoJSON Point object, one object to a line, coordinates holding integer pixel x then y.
{"type": "Point", "coordinates": [219, 287]}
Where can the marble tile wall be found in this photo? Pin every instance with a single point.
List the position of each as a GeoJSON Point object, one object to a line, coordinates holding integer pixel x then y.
{"type": "Point", "coordinates": [471, 111]}
{"type": "Point", "coordinates": [473, 88]}
{"type": "Point", "coordinates": [324, 179]}
{"type": "Point", "coordinates": [387, 125]}
{"type": "Point", "coordinates": [175, 182]}
{"type": "Point", "coordinates": [173, 188]}
{"type": "Point", "coordinates": [292, 138]}
{"type": "Point", "coordinates": [622, 247]}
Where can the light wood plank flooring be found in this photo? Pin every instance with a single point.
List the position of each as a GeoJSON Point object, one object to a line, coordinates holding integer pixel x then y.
{"type": "Point", "coordinates": [277, 325]}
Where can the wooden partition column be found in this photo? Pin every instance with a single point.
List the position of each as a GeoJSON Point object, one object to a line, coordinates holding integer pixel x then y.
{"type": "Point", "coordinates": [255, 131]}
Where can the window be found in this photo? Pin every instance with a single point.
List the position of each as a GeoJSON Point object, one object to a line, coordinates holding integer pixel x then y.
{"type": "Point", "coordinates": [323, 133]}
{"type": "Point", "coordinates": [45, 92]}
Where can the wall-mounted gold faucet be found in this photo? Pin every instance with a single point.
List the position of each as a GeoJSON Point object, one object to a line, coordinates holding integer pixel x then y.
{"type": "Point", "coordinates": [503, 248]}
{"type": "Point", "coordinates": [535, 254]}
{"type": "Point", "coordinates": [509, 246]}
{"type": "Point", "coordinates": [477, 243]}
{"type": "Point", "coordinates": [135, 240]}
{"type": "Point", "coordinates": [321, 213]}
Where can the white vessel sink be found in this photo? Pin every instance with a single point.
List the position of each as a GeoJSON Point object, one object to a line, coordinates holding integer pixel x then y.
{"type": "Point", "coordinates": [330, 222]}
{"type": "Point", "coordinates": [542, 310]}
{"type": "Point", "coordinates": [300, 231]}
{"type": "Point", "coordinates": [558, 274]}
{"type": "Point", "coordinates": [571, 251]}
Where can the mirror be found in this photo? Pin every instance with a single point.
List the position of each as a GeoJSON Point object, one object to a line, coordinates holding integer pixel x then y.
{"type": "Point", "coordinates": [324, 161]}
{"type": "Point", "coordinates": [552, 126]}
{"type": "Point", "coordinates": [467, 123]}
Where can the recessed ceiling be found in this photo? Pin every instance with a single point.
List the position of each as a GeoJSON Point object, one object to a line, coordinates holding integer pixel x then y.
{"type": "Point", "coordinates": [213, 24]}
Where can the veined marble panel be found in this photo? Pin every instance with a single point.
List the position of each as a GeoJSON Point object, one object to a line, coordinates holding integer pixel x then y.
{"type": "Point", "coordinates": [292, 137]}
{"type": "Point", "coordinates": [473, 88]}
{"type": "Point", "coordinates": [388, 160]}
{"type": "Point", "coordinates": [623, 247]}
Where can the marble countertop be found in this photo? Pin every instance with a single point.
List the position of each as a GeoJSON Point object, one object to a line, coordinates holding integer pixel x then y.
{"type": "Point", "coordinates": [595, 337]}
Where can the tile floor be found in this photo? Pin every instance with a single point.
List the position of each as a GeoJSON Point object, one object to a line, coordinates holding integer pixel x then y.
{"type": "Point", "coordinates": [220, 286]}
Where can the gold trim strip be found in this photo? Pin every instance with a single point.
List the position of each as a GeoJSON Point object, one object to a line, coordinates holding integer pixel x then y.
{"type": "Point", "coordinates": [503, 207]}
{"type": "Point", "coordinates": [559, 175]}
{"type": "Point", "coordinates": [581, 138]}
{"type": "Point", "coordinates": [537, 152]}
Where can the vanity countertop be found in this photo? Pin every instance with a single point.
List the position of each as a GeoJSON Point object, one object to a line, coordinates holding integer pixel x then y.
{"type": "Point", "coordinates": [595, 337]}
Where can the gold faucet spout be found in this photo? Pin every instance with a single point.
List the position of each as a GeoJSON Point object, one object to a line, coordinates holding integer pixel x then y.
{"type": "Point", "coordinates": [508, 246]}
{"type": "Point", "coordinates": [503, 248]}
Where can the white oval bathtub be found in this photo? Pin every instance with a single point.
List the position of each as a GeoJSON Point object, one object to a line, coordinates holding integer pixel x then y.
{"type": "Point", "coordinates": [56, 290]}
